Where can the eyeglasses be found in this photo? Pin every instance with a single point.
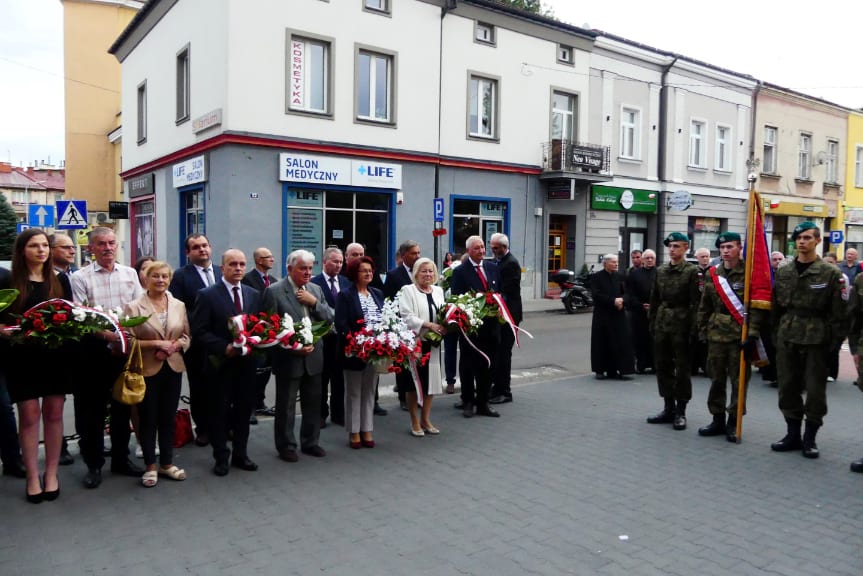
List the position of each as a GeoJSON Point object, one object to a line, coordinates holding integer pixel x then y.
{"type": "Point", "coordinates": [69, 247]}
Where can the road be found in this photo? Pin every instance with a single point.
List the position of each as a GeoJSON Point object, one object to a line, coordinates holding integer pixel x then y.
{"type": "Point", "coordinates": [570, 480]}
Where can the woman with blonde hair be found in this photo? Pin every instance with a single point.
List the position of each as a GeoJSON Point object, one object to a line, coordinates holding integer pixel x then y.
{"type": "Point", "coordinates": [419, 304]}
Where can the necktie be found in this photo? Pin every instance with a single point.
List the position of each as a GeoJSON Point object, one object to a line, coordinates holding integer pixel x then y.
{"type": "Point", "coordinates": [482, 279]}
{"type": "Point", "coordinates": [333, 290]}
{"type": "Point", "coordinates": [266, 280]}
{"type": "Point", "coordinates": [238, 306]}
{"type": "Point", "coordinates": [208, 272]}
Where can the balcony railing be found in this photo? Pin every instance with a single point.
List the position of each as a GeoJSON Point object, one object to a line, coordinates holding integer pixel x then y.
{"type": "Point", "coordinates": [567, 156]}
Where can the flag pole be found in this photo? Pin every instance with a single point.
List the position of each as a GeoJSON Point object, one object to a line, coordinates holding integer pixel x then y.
{"type": "Point", "coordinates": [747, 289]}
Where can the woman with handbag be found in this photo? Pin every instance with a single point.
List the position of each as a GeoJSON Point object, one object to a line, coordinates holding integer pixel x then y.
{"type": "Point", "coordinates": [357, 306]}
{"type": "Point", "coordinates": [419, 304]}
{"type": "Point", "coordinates": [162, 339]}
{"type": "Point", "coordinates": [34, 371]}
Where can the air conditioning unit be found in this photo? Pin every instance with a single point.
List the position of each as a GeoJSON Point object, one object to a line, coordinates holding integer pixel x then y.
{"type": "Point", "coordinates": [103, 218]}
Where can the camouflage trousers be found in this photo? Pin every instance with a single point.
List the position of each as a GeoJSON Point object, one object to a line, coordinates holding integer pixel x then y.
{"type": "Point", "coordinates": [723, 363]}
{"type": "Point", "coordinates": [673, 365]}
{"type": "Point", "coordinates": [801, 367]}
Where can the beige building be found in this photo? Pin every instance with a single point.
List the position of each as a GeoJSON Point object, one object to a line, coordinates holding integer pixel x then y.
{"type": "Point", "coordinates": [92, 92]}
{"type": "Point", "coordinates": [800, 144]}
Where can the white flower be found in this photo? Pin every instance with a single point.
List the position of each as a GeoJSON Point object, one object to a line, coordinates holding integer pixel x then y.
{"type": "Point", "coordinates": [79, 314]}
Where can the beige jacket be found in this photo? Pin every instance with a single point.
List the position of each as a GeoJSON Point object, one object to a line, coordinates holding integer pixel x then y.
{"type": "Point", "coordinates": [178, 328]}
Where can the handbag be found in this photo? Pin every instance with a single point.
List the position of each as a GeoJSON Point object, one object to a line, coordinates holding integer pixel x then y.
{"type": "Point", "coordinates": [182, 428]}
{"type": "Point", "coordinates": [129, 387]}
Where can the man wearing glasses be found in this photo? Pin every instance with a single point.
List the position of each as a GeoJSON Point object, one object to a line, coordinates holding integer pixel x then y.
{"type": "Point", "coordinates": [63, 259]}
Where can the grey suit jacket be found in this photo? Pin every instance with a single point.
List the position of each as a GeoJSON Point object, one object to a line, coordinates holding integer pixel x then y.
{"type": "Point", "coordinates": [279, 298]}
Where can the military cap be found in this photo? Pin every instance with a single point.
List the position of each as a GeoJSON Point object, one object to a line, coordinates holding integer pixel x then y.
{"type": "Point", "coordinates": [800, 228]}
{"type": "Point", "coordinates": [727, 237]}
{"type": "Point", "coordinates": [676, 237]}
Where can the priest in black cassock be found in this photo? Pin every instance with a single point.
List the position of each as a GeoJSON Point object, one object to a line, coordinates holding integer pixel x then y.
{"type": "Point", "coordinates": [610, 345]}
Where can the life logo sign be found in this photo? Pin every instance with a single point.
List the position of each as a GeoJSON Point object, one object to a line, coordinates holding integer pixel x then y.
{"type": "Point", "coordinates": [189, 172]}
{"type": "Point", "coordinates": [376, 174]}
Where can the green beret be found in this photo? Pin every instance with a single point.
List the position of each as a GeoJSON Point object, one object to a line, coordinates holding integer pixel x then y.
{"type": "Point", "coordinates": [676, 237]}
{"type": "Point", "coordinates": [800, 228]}
{"type": "Point", "coordinates": [727, 237]}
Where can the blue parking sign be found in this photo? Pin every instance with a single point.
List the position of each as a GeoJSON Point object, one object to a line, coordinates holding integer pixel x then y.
{"type": "Point", "coordinates": [21, 227]}
{"type": "Point", "coordinates": [438, 209]}
{"type": "Point", "coordinates": [836, 236]}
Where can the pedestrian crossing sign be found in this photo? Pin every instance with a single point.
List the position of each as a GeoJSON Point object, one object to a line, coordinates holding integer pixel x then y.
{"type": "Point", "coordinates": [71, 214]}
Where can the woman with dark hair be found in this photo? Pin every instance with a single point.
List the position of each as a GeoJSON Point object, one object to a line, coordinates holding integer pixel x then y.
{"type": "Point", "coordinates": [358, 306]}
{"type": "Point", "coordinates": [448, 259]}
{"type": "Point", "coordinates": [33, 276]}
{"type": "Point", "coordinates": [139, 268]}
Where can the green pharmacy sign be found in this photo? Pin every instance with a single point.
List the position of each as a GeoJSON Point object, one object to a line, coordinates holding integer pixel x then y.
{"type": "Point", "coordinates": [623, 199]}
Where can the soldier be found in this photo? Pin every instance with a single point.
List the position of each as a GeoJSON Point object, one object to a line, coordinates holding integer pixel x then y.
{"type": "Point", "coordinates": [699, 348]}
{"type": "Point", "coordinates": [720, 320]}
{"type": "Point", "coordinates": [854, 341]}
{"type": "Point", "coordinates": [808, 313]}
{"type": "Point", "coordinates": [671, 319]}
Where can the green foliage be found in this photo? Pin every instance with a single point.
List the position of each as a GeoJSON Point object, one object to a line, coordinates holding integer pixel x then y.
{"type": "Point", "coordinates": [8, 228]}
{"type": "Point", "coordinates": [533, 6]}
{"type": "Point", "coordinates": [585, 269]}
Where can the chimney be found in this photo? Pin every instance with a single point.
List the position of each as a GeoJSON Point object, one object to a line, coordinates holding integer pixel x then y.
{"type": "Point", "coordinates": [5, 168]}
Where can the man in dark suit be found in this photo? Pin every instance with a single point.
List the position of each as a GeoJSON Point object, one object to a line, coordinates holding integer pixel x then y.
{"type": "Point", "coordinates": [228, 372]}
{"type": "Point", "coordinates": [185, 285]}
{"type": "Point", "coordinates": [402, 275]}
{"type": "Point", "coordinates": [10, 450]}
{"type": "Point", "coordinates": [331, 283]}
{"type": "Point", "coordinates": [260, 279]}
{"type": "Point", "coordinates": [510, 288]}
{"type": "Point", "coordinates": [474, 370]}
{"type": "Point", "coordinates": [298, 371]}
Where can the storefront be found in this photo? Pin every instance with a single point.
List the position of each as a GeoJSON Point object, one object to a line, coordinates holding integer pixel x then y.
{"type": "Point", "coordinates": [636, 210]}
{"type": "Point", "coordinates": [781, 215]}
{"type": "Point", "coordinates": [142, 214]}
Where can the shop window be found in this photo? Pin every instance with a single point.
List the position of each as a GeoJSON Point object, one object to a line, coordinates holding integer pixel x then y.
{"type": "Point", "coordinates": [477, 217]}
{"type": "Point", "coordinates": [193, 214]}
{"type": "Point", "coordinates": [703, 231]}
{"type": "Point", "coordinates": [320, 218]}
{"type": "Point", "coordinates": [143, 222]}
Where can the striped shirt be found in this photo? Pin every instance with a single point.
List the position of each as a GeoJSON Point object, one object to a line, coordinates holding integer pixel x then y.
{"type": "Point", "coordinates": [97, 286]}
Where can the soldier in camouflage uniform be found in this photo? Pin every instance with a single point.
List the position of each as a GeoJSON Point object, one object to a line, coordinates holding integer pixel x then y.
{"type": "Point", "coordinates": [671, 319]}
{"type": "Point", "coordinates": [718, 327]}
{"type": "Point", "coordinates": [808, 314]}
{"type": "Point", "coordinates": [855, 340]}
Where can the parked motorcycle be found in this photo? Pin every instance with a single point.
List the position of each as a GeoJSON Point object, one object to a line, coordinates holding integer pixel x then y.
{"type": "Point", "coordinates": [573, 290]}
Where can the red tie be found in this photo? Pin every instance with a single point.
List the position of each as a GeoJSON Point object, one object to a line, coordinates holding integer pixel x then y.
{"type": "Point", "coordinates": [266, 280]}
{"type": "Point", "coordinates": [482, 279]}
{"type": "Point", "coordinates": [238, 306]}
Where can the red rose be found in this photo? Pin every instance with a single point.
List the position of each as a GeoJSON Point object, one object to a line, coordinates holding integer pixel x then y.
{"type": "Point", "coordinates": [59, 318]}
{"type": "Point", "coordinates": [258, 329]}
{"type": "Point", "coordinates": [39, 325]}
{"type": "Point", "coordinates": [253, 318]}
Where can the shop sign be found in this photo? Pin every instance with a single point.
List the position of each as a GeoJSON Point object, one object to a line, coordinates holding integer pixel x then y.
{"type": "Point", "coordinates": [623, 199]}
{"type": "Point", "coordinates": [679, 201]}
{"type": "Point", "coordinates": [208, 120]}
{"type": "Point", "coordinates": [142, 185]}
{"type": "Point", "coordinates": [338, 171]}
{"type": "Point", "coordinates": [561, 190]}
{"type": "Point", "coordinates": [191, 171]}
{"type": "Point", "coordinates": [586, 157]}
{"type": "Point", "coordinates": [854, 215]}
{"type": "Point", "coordinates": [787, 208]}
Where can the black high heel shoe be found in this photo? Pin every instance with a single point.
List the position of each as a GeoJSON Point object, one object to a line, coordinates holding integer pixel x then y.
{"type": "Point", "coordinates": [35, 498]}
{"type": "Point", "coordinates": [53, 494]}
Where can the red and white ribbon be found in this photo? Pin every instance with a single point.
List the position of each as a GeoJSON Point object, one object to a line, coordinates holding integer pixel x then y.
{"type": "Point", "coordinates": [507, 316]}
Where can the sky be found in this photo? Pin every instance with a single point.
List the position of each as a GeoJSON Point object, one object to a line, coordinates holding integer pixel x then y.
{"type": "Point", "coordinates": [805, 46]}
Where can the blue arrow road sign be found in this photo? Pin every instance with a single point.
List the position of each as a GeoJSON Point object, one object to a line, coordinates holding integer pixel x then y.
{"type": "Point", "coordinates": [71, 214]}
{"type": "Point", "coordinates": [836, 236]}
{"type": "Point", "coordinates": [438, 209]}
{"type": "Point", "coordinates": [21, 227]}
{"type": "Point", "coordinates": [41, 216]}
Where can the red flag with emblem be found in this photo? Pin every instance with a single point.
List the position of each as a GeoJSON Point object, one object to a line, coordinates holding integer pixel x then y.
{"type": "Point", "coordinates": [759, 274]}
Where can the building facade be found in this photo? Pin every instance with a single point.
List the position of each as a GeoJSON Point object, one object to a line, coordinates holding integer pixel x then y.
{"type": "Point", "coordinates": [851, 209]}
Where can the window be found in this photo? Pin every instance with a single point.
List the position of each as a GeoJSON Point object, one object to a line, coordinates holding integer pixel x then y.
{"type": "Point", "coordinates": [562, 116]}
{"type": "Point", "coordinates": [477, 217]}
{"type": "Point", "coordinates": [858, 167]}
{"type": "Point", "coordinates": [804, 168]}
{"type": "Point", "coordinates": [832, 172]}
{"type": "Point", "coordinates": [142, 112]}
{"type": "Point", "coordinates": [193, 215]}
{"type": "Point", "coordinates": [484, 33]}
{"type": "Point", "coordinates": [377, 6]}
{"type": "Point", "coordinates": [723, 149]}
{"type": "Point", "coordinates": [703, 231]}
{"type": "Point", "coordinates": [309, 75]}
{"type": "Point", "coordinates": [183, 85]}
{"type": "Point", "coordinates": [769, 166]}
{"type": "Point", "coordinates": [630, 137]}
{"type": "Point", "coordinates": [375, 96]}
{"type": "Point", "coordinates": [143, 213]}
{"type": "Point", "coordinates": [564, 54]}
{"type": "Point", "coordinates": [696, 144]}
{"type": "Point", "coordinates": [482, 107]}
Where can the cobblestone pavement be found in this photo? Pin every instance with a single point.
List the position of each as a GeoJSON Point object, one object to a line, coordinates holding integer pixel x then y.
{"type": "Point", "coordinates": [570, 480]}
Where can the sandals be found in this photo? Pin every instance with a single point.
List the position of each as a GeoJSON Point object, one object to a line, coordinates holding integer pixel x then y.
{"type": "Point", "coordinates": [173, 473]}
{"type": "Point", "coordinates": [430, 430]}
{"type": "Point", "coordinates": [149, 479]}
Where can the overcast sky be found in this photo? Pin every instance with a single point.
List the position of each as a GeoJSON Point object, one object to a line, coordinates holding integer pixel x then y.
{"type": "Point", "coordinates": [807, 46]}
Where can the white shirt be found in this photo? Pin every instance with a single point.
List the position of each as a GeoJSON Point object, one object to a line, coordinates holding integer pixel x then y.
{"type": "Point", "coordinates": [231, 287]}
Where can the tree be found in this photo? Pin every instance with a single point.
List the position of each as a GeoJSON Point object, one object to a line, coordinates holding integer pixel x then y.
{"type": "Point", "coordinates": [8, 228]}
{"type": "Point", "coordinates": [533, 6]}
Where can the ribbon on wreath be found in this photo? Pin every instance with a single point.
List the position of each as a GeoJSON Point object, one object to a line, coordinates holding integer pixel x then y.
{"type": "Point", "coordinates": [504, 313]}
{"type": "Point", "coordinates": [451, 317]}
{"type": "Point", "coordinates": [247, 341]}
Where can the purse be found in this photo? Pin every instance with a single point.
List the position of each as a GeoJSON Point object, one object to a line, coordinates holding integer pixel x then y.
{"type": "Point", "coordinates": [129, 387]}
{"type": "Point", "coordinates": [182, 428]}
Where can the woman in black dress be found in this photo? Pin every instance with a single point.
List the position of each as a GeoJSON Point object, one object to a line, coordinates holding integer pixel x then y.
{"type": "Point", "coordinates": [33, 371]}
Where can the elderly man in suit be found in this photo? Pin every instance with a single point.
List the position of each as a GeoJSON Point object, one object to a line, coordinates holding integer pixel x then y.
{"type": "Point", "coordinates": [228, 372]}
{"type": "Point", "coordinates": [402, 275]}
{"type": "Point", "coordinates": [298, 371]}
{"type": "Point", "coordinates": [474, 369]}
{"type": "Point", "coordinates": [260, 279]}
{"type": "Point", "coordinates": [510, 289]}
{"type": "Point", "coordinates": [332, 377]}
{"type": "Point", "coordinates": [185, 285]}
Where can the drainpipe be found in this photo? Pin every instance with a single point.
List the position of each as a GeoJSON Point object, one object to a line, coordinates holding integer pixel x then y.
{"type": "Point", "coordinates": [662, 151]}
{"type": "Point", "coordinates": [752, 126]}
{"type": "Point", "coordinates": [449, 5]}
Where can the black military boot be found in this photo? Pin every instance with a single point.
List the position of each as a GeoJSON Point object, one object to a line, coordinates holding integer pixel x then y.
{"type": "Point", "coordinates": [680, 416]}
{"type": "Point", "coordinates": [792, 440]}
{"type": "Point", "coordinates": [715, 428]}
{"type": "Point", "coordinates": [66, 459]}
{"type": "Point", "coordinates": [664, 417]}
{"type": "Point", "coordinates": [731, 429]}
{"type": "Point", "coordinates": [810, 449]}
{"type": "Point", "coordinates": [857, 465]}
